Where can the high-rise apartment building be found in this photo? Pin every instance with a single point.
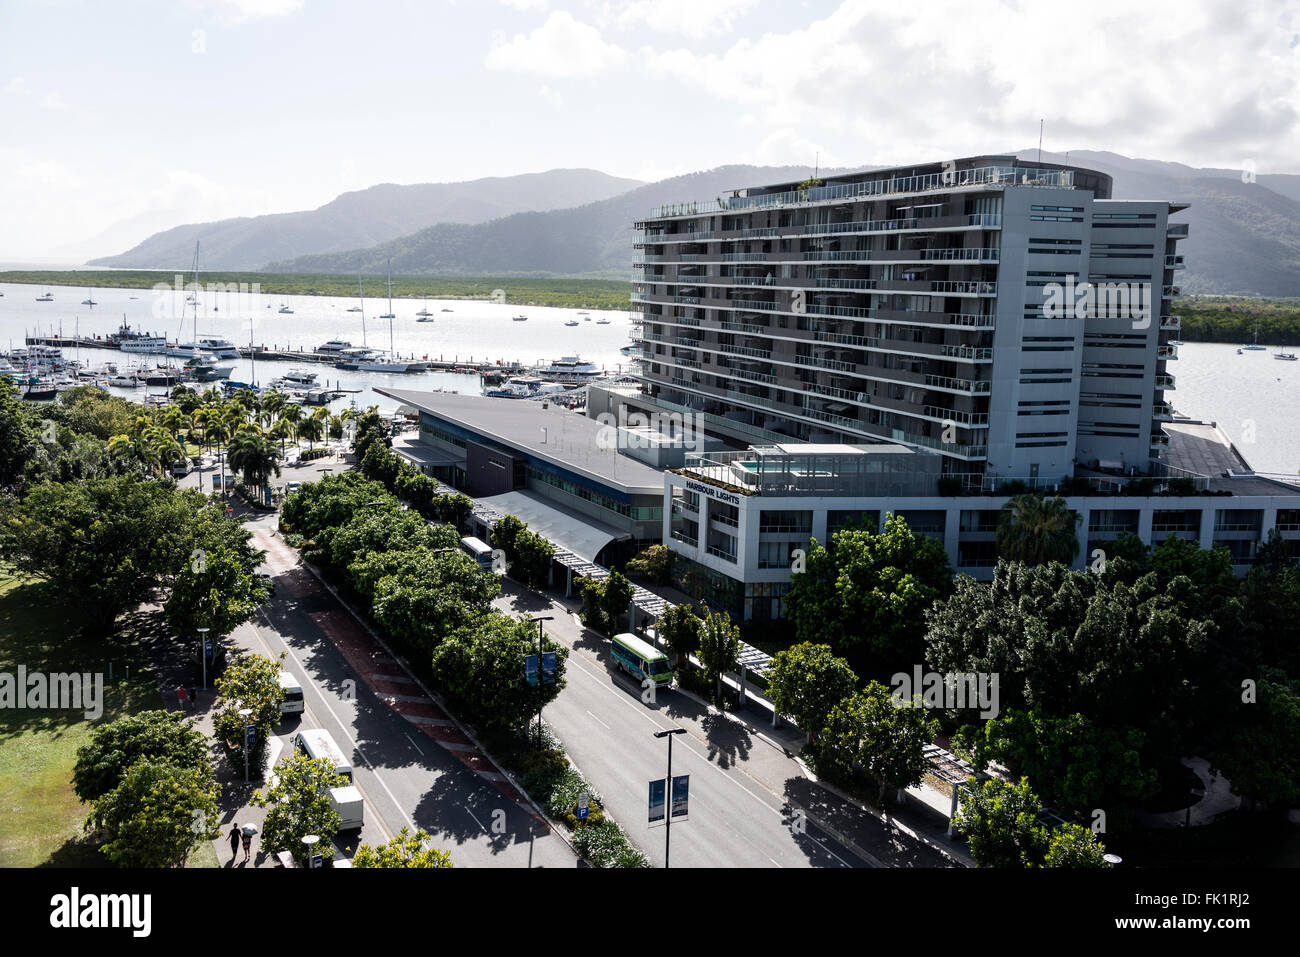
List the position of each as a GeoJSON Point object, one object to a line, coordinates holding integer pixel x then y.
{"type": "Point", "coordinates": [1011, 317]}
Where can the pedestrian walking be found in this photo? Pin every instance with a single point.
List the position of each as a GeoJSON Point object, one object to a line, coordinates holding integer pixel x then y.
{"type": "Point", "coordinates": [234, 842]}
{"type": "Point", "coordinates": [181, 695]}
{"type": "Point", "coordinates": [248, 845]}
{"type": "Point", "coordinates": [194, 695]}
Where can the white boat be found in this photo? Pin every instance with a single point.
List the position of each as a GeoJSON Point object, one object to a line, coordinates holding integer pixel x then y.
{"type": "Point", "coordinates": [299, 377]}
{"type": "Point", "coordinates": [285, 310]}
{"type": "Point", "coordinates": [568, 367]}
{"type": "Point", "coordinates": [445, 310]}
{"type": "Point", "coordinates": [524, 387]}
{"type": "Point", "coordinates": [334, 346]}
{"type": "Point", "coordinates": [519, 318]}
{"type": "Point", "coordinates": [602, 322]}
{"type": "Point", "coordinates": [45, 298]}
{"type": "Point", "coordinates": [221, 348]}
{"type": "Point", "coordinates": [351, 358]}
{"type": "Point", "coordinates": [124, 382]}
{"type": "Point", "coordinates": [354, 308]}
{"type": "Point", "coordinates": [378, 362]}
{"type": "Point", "coordinates": [572, 322]}
{"type": "Point", "coordinates": [1285, 356]}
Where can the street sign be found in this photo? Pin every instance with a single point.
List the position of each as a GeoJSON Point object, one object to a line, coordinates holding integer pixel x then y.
{"type": "Point", "coordinates": [681, 795]}
{"type": "Point", "coordinates": [530, 668]}
{"type": "Point", "coordinates": [583, 806]}
{"type": "Point", "coordinates": [550, 663]}
{"type": "Point", "coordinates": [657, 790]}
{"type": "Point", "coordinates": [207, 648]}
{"type": "Point", "coordinates": [316, 860]}
{"type": "Point", "coordinates": [250, 736]}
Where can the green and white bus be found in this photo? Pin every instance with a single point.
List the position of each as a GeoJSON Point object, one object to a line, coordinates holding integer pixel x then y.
{"type": "Point", "coordinates": [640, 659]}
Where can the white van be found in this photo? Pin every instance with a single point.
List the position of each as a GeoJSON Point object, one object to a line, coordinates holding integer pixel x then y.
{"type": "Point", "coordinates": [348, 802]}
{"type": "Point", "coordinates": [318, 743]}
{"type": "Point", "coordinates": [293, 701]}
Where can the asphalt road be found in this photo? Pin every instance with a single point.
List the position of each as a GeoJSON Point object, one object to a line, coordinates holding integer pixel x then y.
{"type": "Point", "coordinates": [406, 778]}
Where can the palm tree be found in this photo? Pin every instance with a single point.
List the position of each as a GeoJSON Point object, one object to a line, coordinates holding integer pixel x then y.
{"type": "Point", "coordinates": [272, 402]}
{"type": "Point", "coordinates": [311, 430]}
{"type": "Point", "coordinates": [280, 430]}
{"type": "Point", "coordinates": [253, 454]}
{"type": "Point", "coordinates": [219, 432]}
{"type": "Point", "coordinates": [292, 413]}
{"type": "Point", "coordinates": [1037, 530]}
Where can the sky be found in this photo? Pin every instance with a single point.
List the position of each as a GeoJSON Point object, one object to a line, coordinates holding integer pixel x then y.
{"type": "Point", "coordinates": [118, 119]}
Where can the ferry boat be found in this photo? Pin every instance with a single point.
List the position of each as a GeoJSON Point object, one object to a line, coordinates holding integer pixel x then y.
{"type": "Point", "coordinates": [334, 347]}
{"type": "Point", "coordinates": [300, 378]}
{"type": "Point", "coordinates": [568, 367]}
{"type": "Point", "coordinates": [220, 348]}
{"type": "Point", "coordinates": [128, 340]}
{"type": "Point", "coordinates": [524, 387]}
{"type": "Point", "coordinates": [124, 382]}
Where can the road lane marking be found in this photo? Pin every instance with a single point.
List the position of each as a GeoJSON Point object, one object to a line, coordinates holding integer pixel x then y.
{"type": "Point", "coordinates": [353, 741]}
{"type": "Point", "coordinates": [413, 744]}
{"type": "Point", "coordinates": [477, 821]}
{"type": "Point", "coordinates": [598, 721]}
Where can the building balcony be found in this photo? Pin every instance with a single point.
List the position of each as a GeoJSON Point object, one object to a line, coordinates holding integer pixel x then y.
{"type": "Point", "coordinates": [1162, 412]}
{"type": "Point", "coordinates": [1166, 352]}
{"type": "Point", "coordinates": [1171, 292]}
{"type": "Point", "coordinates": [1171, 322]}
{"type": "Point", "coordinates": [1176, 231]}
{"type": "Point", "coordinates": [1173, 262]}
{"type": "Point", "coordinates": [1164, 381]}
{"type": "Point", "coordinates": [1159, 441]}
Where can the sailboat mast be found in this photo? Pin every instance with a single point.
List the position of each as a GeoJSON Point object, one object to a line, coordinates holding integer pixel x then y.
{"type": "Point", "coordinates": [362, 296]}
{"type": "Point", "coordinates": [390, 307]}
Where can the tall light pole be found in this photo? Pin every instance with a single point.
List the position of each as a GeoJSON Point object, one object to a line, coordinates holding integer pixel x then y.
{"type": "Point", "coordinates": [244, 713]}
{"type": "Point", "coordinates": [541, 675]}
{"type": "Point", "coordinates": [203, 654]}
{"type": "Point", "coordinates": [668, 790]}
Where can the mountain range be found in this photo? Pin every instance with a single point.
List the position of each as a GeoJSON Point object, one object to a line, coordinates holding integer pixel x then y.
{"type": "Point", "coordinates": [364, 218]}
{"type": "Point", "coordinates": [1244, 236]}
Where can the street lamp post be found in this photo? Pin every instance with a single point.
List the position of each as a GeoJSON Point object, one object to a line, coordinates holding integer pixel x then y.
{"type": "Point", "coordinates": [540, 675]}
{"type": "Point", "coordinates": [203, 654]}
{"type": "Point", "coordinates": [310, 840]}
{"type": "Point", "coordinates": [244, 713]}
{"type": "Point", "coordinates": [668, 790]}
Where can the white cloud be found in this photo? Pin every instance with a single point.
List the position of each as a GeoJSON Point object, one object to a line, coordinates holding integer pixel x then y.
{"type": "Point", "coordinates": [560, 47]}
{"type": "Point", "coordinates": [242, 11]}
{"type": "Point", "coordinates": [693, 18]}
{"type": "Point", "coordinates": [550, 95]}
{"type": "Point", "coordinates": [53, 101]}
{"type": "Point", "coordinates": [1216, 80]}
{"type": "Point", "coordinates": [524, 4]}
{"type": "Point", "coordinates": [15, 87]}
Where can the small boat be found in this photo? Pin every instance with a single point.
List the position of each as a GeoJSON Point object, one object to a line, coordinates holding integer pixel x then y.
{"type": "Point", "coordinates": [582, 312]}
{"type": "Point", "coordinates": [354, 309]}
{"type": "Point", "coordinates": [45, 298]}
{"type": "Point", "coordinates": [1285, 356]}
{"type": "Point", "coordinates": [124, 382]}
{"type": "Point", "coordinates": [586, 318]}
{"type": "Point", "coordinates": [1238, 352]}
{"type": "Point", "coordinates": [602, 322]}
{"type": "Point", "coordinates": [445, 310]}
{"type": "Point", "coordinates": [425, 318]}
{"type": "Point", "coordinates": [284, 310]}
{"type": "Point", "coordinates": [572, 322]}
{"type": "Point", "coordinates": [89, 302]}
{"type": "Point", "coordinates": [519, 318]}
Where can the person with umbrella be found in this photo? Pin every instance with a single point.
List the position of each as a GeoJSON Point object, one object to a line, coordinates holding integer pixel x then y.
{"type": "Point", "coordinates": [248, 830]}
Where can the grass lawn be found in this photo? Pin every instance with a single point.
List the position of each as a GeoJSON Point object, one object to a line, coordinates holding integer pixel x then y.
{"type": "Point", "coordinates": [42, 817]}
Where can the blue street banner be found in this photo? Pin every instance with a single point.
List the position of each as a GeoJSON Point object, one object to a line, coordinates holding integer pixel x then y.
{"type": "Point", "coordinates": [681, 795]}
{"type": "Point", "coordinates": [550, 662]}
{"type": "Point", "coordinates": [530, 668]}
{"type": "Point", "coordinates": [657, 793]}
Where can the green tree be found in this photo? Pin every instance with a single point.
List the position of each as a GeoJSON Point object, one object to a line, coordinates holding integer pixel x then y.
{"type": "Point", "coordinates": [217, 587]}
{"type": "Point", "coordinates": [806, 682]}
{"type": "Point", "coordinates": [311, 429]}
{"type": "Point", "coordinates": [381, 528]}
{"type": "Point", "coordinates": [528, 555]}
{"type": "Point", "coordinates": [719, 649]}
{"type": "Point", "coordinates": [255, 456]}
{"type": "Point", "coordinates": [157, 815]}
{"type": "Point", "coordinates": [1260, 756]}
{"type": "Point", "coordinates": [107, 541]}
{"type": "Point", "coordinates": [1074, 846]}
{"type": "Point", "coordinates": [616, 598]}
{"type": "Point", "coordinates": [404, 850]}
{"type": "Point", "coordinates": [1000, 822]}
{"type": "Point", "coordinates": [19, 437]}
{"type": "Point", "coordinates": [298, 804]}
{"type": "Point", "coordinates": [869, 734]}
{"type": "Point", "coordinates": [653, 564]}
{"type": "Point", "coordinates": [430, 596]}
{"type": "Point", "coordinates": [1036, 530]}
{"type": "Point", "coordinates": [482, 670]}
{"type": "Point", "coordinates": [680, 629]}
{"type": "Point", "coordinates": [250, 681]}
{"type": "Point", "coordinates": [867, 593]}
{"type": "Point", "coordinates": [155, 737]}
